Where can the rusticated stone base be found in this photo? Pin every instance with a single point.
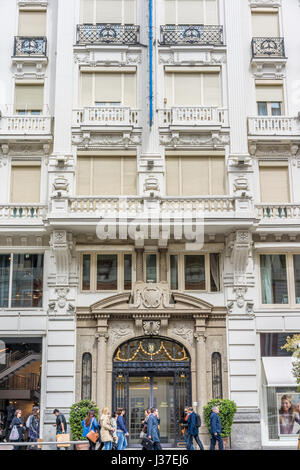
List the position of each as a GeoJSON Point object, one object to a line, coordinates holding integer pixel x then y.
{"type": "Point", "coordinates": [246, 430]}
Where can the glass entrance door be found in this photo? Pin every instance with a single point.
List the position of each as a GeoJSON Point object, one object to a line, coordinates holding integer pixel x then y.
{"type": "Point", "coordinates": [147, 392]}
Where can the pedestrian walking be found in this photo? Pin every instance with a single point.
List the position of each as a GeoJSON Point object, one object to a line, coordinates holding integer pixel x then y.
{"type": "Point", "coordinates": [143, 434]}
{"type": "Point", "coordinates": [215, 429]}
{"type": "Point", "coordinates": [10, 414]}
{"type": "Point", "coordinates": [106, 429]}
{"type": "Point", "coordinates": [33, 426]}
{"type": "Point", "coordinates": [122, 432]}
{"type": "Point", "coordinates": [17, 429]}
{"type": "Point", "coordinates": [61, 424]}
{"type": "Point", "coordinates": [184, 427]}
{"type": "Point", "coordinates": [193, 425]}
{"type": "Point", "coordinates": [153, 430]}
{"type": "Point", "coordinates": [113, 422]}
{"type": "Point", "coordinates": [90, 429]}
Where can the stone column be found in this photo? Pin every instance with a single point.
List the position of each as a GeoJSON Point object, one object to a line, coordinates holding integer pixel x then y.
{"type": "Point", "coordinates": [163, 265]}
{"type": "Point", "coordinates": [139, 264]}
{"type": "Point", "coordinates": [201, 370]}
{"type": "Point", "coordinates": [102, 337]}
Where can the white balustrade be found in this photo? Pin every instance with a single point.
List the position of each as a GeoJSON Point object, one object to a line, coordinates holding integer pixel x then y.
{"type": "Point", "coordinates": [273, 125]}
{"type": "Point", "coordinates": [25, 124]}
{"type": "Point", "coordinates": [23, 211]}
{"type": "Point", "coordinates": [193, 115]}
{"type": "Point", "coordinates": [278, 211]}
{"type": "Point", "coordinates": [106, 116]}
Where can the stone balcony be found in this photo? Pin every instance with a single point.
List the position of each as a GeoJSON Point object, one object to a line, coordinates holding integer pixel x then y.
{"type": "Point", "coordinates": [24, 127]}
{"type": "Point", "coordinates": [13, 214]}
{"type": "Point", "coordinates": [205, 117]}
{"type": "Point", "coordinates": [273, 127]}
{"type": "Point", "coordinates": [104, 116]}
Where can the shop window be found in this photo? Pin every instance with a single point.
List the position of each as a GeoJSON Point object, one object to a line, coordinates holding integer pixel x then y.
{"type": "Point", "coordinates": [86, 384]}
{"type": "Point", "coordinates": [274, 279]}
{"type": "Point", "coordinates": [216, 375]}
{"type": "Point", "coordinates": [271, 344]}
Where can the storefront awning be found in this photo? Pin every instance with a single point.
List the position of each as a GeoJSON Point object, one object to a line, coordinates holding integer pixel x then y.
{"type": "Point", "coordinates": [278, 371]}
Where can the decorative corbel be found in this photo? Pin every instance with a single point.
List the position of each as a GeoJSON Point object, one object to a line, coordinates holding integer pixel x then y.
{"type": "Point", "coordinates": [60, 244]}
{"type": "Point", "coordinates": [241, 247]}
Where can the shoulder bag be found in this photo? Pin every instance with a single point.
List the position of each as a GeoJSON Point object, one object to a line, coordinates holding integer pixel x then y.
{"type": "Point", "coordinates": [92, 435]}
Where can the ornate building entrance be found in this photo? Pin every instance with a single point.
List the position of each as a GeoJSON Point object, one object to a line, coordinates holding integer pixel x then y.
{"type": "Point", "coordinates": [152, 372]}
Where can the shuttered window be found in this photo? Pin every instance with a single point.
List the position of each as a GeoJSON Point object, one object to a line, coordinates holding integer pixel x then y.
{"type": "Point", "coordinates": [274, 183]}
{"type": "Point", "coordinates": [29, 97]}
{"type": "Point", "coordinates": [195, 176]}
{"type": "Point", "coordinates": [269, 93]}
{"type": "Point", "coordinates": [32, 23]}
{"type": "Point", "coordinates": [265, 24]}
{"type": "Point", "coordinates": [108, 11]}
{"type": "Point", "coordinates": [109, 87]}
{"type": "Point", "coordinates": [25, 183]}
{"type": "Point", "coordinates": [193, 89]}
{"type": "Point", "coordinates": [106, 176]}
{"type": "Point", "coordinates": [191, 12]}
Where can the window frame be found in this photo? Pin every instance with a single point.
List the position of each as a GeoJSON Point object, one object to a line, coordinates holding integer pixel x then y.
{"type": "Point", "coordinates": [291, 291]}
{"type": "Point", "coordinates": [10, 284]}
{"type": "Point", "coordinates": [157, 254]}
{"type": "Point", "coordinates": [181, 272]}
{"type": "Point", "coordinates": [93, 271]}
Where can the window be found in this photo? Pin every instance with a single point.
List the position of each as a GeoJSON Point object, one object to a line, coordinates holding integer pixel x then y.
{"type": "Point", "coordinates": [106, 175]}
{"type": "Point", "coordinates": [269, 98]}
{"type": "Point", "coordinates": [25, 182]}
{"type": "Point", "coordinates": [191, 12]}
{"type": "Point", "coordinates": [107, 277]}
{"type": "Point", "coordinates": [271, 343]}
{"type": "Point", "coordinates": [273, 279]}
{"type": "Point", "coordinates": [32, 23]}
{"type": "Point", "coordinates": [108, 87]}
{"type": "Point", "coordinates": [274, 182]}
{"type": "Point", "coordinates": [192, 89]}
{"type": "Point", "coordinates": [265, 24]}
{"type": "Point", "coordinates": [198, 272]}
{"type": "Point", "coordinates": [216, 373]}
{"type": "Point", "coordinates": [86, 377]}
{"type": "Point", "coordinates": [29, 99]}
{"type": "Point", "coordinates": [108, 11]}
{"type": "Point", "coordinates": [106, 272]}
{"type": "Point", "coordinates": [195, 176]}
{"type": "Point", "coordinates": [21, 284]}
{"type": "Point", "coordinates": [151, 268]}
{"type": "Point", "coordinates": [296, 260]}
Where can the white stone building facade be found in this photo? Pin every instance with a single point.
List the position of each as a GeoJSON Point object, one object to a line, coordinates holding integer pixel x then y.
{"type": "Point", "coordinates": [129, 108]}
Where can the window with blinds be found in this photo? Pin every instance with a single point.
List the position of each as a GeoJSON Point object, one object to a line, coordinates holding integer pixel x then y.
{"type": "Point", "coordinates": [32, 23]}
{"type": "Point", "coordinates": [108, 11]}
{"type": "Point", "coordinates": [25, 183]}
{"type": "Point", "coordinates": [265, 24]}
{"type": "Point", "coordinates": [191, 12]}
{"type": "Point", "coordinates": [269, 98]}
{"type": "Point", "coordinates": [274, 182]}
{"type": "Point", "coordinates": [106, 175]}
{"type": "Point", "coordinates": [111, 87]}
{"type": "Point", "coordinates": [29, 98]}
{"type": "Point", "coordinates": [193, 89]}
{"type": "Point", "coordinates": [195, 176]}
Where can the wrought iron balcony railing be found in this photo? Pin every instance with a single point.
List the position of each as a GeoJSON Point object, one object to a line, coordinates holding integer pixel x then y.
{"type": "Point", "coordinates": [191, 34]}
{"type": "Point", "coordinates": [268, 47]}
{"type": "Point", "coordinates": [30, 46]}
{"type": "Point", "coordinates": [107, 33]}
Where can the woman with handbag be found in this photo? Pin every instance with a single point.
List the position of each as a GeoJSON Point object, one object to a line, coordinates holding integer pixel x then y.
{"type": "Point", "coordinates": [17, 429]}
{"type": "Point", "coordinates": [106, 429]}
{"type": "Point", "coordinates": [90, 429]}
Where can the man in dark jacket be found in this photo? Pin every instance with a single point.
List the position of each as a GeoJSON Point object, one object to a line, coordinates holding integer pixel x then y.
{"type": "Point", "coordinates": [215, 429]}
{"type": "Point", "coordinates": [193, 430]}
{"type": "Point", "coordinates": [61, 424]}
{"type": "Point", "coordinates": [152, 429]}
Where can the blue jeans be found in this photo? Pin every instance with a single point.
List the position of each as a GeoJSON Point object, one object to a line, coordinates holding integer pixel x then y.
{"type": "Point", "coordinates": [122, 441]}
{"type": "Point", "coordinates": [185, 437]}
{"type": "Point", "coordinates": [213, 441]}
{"type": "Point", "coordinates": [107, 445]}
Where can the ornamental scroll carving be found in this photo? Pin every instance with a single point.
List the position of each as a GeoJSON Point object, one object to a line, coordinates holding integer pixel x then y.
{"type": "Point", "coordinates": [186, 334]}
{"type": "Point", "coordinates": [117, 334]}
{"type": "Point", "coordinates": [151, 327]}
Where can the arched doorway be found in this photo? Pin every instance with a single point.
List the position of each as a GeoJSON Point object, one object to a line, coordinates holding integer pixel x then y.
{"type": "Point", "coordinates": [152, 371]}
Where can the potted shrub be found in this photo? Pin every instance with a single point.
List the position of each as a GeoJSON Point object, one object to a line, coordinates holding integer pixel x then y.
{"type": "Point", "coordinates": [227, 411]}
{"type": "Point", "coordinates": [78, 412]}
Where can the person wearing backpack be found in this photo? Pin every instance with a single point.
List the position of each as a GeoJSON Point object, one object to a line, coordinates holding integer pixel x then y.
{"type": "Point", "coordinates": [33, 426]}
{"type": "Point", "coordinates": [193, 425]}
{"type": "Point", "coordinates": [17, 429]}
